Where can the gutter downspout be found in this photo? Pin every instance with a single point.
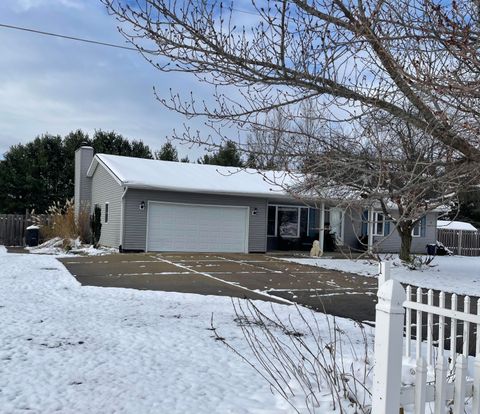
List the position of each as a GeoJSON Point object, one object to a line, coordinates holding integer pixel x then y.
{"type": "Point", "coordinates": [122, 212]}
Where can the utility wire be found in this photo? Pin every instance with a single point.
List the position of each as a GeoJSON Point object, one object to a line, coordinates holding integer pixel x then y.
{"type": "Point", "coordinates": [78, 39]}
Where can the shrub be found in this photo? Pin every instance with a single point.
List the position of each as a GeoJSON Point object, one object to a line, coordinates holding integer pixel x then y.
{"type": "Point", "coordinates": [83, 224]}
{"type": "Point", "coordinates": [60, 222]}
{"type": "Point", "coordinates": [96, 225]}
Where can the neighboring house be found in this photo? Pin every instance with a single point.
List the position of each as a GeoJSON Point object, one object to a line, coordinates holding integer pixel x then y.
{"type": "Point", "coordinates": [151, 205]}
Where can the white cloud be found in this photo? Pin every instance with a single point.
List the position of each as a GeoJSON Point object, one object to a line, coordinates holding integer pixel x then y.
{"type": "Point", "coordinates": [27, 5]}
{"type": "Point", "coordinates": [55, 85]}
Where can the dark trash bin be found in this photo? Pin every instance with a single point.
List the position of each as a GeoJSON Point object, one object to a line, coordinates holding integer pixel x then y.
{"type": "Point", "coordinates": [32, 235]}
{"type": "Point", "coordinates": [442, 250]}
{"type": "Point", "coordinates": [431, 249]}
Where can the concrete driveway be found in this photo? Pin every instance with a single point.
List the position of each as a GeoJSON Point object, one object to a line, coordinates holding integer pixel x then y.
{"type": "Point", "coordinates": [255, 276]}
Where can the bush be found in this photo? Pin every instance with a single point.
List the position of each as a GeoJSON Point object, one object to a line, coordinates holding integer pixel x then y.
{"type": "Point", "coordinates": [96, 225]}
{"type": "Point", "coordinates": [60, 222]}
{"type": "Point", "coordinates": [83, 224]}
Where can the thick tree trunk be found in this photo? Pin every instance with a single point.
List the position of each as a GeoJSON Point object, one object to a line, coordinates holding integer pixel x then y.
{"type": "Point", "coordinates": [406, 242]}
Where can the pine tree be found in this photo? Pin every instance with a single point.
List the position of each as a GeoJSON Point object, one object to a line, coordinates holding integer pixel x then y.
{"type": "Point", "coordinates": [41, 172]}
{"type": "Point", "coordinates": [227, 155]}
{"type": "Point", "coordinates": [167, 153]}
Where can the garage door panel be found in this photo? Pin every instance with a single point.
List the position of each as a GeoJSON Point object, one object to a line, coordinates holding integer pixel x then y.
{"type": "Point", "coordinates": [197, 228]}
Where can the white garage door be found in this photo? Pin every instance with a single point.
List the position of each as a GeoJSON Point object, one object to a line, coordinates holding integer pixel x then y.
{"type": "Point", "coordinates": [197, 228]}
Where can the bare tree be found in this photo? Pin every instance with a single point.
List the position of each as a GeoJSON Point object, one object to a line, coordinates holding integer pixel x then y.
{"type": "Point", "coordinates": [393, 166]}
{"type": "Point", "coordinates": [268, 145]}
{"type": "Point", "coordinates": [394, 84]}
{"type": "Point", "coordinates": [353, 55]}
{"type": "Point", "coordinates": [383, 163]}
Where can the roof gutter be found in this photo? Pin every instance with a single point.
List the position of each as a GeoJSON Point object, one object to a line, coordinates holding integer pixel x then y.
{"type": "Point", "coordinates": [208, 191]}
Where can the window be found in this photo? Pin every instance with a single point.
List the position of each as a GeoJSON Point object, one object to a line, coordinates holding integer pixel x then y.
{"type": "Point", "coordinates": [336, 224]}
{"type": "Point", "coordinates": [419, 228]}
{"type": "Point", "coordinates": [313, 222]}
{"type": "Point", "coordinates": [272, 221]}
{"type": "Point", "coordinates": [378, 224]}
{"type": "Point", "coordinates": [106, 212]}
{"type": "Point", "coordinates": [303, 222]}
{"type": "Point", "coordinates": [288, 221]}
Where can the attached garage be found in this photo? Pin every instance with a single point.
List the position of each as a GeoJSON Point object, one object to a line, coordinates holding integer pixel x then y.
{"type": "Point", "coordinates": [176, 227]}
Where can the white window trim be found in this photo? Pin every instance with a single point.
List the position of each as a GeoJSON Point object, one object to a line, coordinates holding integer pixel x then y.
{"type": "Point", "coordinates": [299, 212]}
{"type": "Point", "coordinates": [298, 221]}
{"type": "Point", "coordinates": [375, 221]}
{"type": "Point", "coordinates": [339, 238]}
{"type": "Point", "coordinates": [419, 226]}
{"type": "Point", "coordinates": [106, 213]}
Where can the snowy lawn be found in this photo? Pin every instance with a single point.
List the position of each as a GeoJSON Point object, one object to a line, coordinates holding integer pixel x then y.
{"type": "Point", "coordinates": [72, 349]}
{"type": "Point", "coordinates": [56, 247]}
{"type": "Point", "coordinates": [458, 274]}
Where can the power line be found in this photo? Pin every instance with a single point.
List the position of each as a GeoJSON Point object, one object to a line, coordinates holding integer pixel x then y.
{"type": "Point", "coordinates": [91, 41]}
{"type": "Point", "coordinates": [78, 39]}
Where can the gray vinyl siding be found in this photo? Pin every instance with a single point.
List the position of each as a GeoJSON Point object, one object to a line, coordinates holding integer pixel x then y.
{"type": "Point", "coordinates": [135, 219]}
{"type": "Point", "coordinates": [391, 243]}
{"type": "Point", "coordinates": [105, 189]}
{"type": "Point", "coordinates": [83, 184]}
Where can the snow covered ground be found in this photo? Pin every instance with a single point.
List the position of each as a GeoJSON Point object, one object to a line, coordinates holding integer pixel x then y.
{"type": "Point", "coordinates": [458, 274]}
{"type": "Point", "coordinates": [55, 247]}
{"type": "Point", "coordinates": [72, 349]}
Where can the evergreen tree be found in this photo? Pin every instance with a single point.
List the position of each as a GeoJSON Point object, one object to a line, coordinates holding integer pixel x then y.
{"type": "Point", "coordinates": [227, 155]}
{"type": "Point", "coordinates": [115, 144]}
{"type": "Point", "coordinates": [36, 174]}
{"type": "Point", "coordinates": [468, 209]}
{"type": "Point", "coordinates": [167, 153]}
{"type": "Point", "coordinates": [31, 175]}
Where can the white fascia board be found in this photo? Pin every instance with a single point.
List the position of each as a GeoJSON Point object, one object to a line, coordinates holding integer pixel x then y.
{"type": "Point", "coordinates": [93, 166]}
{"type": "Point", "coordinates": [206, 191]}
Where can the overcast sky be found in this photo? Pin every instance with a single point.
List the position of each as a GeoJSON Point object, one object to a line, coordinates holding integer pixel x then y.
{"type": "Point", "coordinates": [56, 86]}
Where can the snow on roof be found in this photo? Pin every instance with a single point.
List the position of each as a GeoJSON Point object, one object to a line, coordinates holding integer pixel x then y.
{"type": "Point", "coordinates": [454, 225]}
{"type": "Point", "coordinates": [198, 178]}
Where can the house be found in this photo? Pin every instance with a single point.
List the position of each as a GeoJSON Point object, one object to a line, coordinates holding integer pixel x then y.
{"type": "Point", "coordinates": [150, 205]}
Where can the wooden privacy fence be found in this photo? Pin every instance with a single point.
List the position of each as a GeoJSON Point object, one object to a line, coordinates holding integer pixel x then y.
{"type": "Point", "coordinates": [408, 325]}
{"type": "Point", "coordinates": [13, 226]}
{"type": "Point", "coordinates": [12, 229]}
{"type": "Point", "coordinates": [461, 242]}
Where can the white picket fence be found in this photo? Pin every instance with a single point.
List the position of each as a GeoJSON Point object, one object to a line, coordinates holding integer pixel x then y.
{"type": "Point", "coordinates": [414, 323]}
